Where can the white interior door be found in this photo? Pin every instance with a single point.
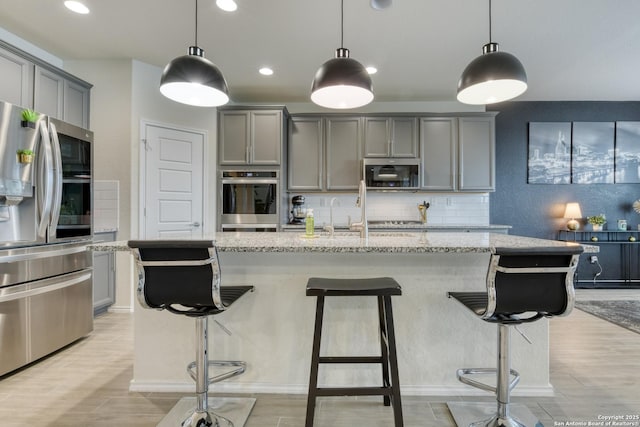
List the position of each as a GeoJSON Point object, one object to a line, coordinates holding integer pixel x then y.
{"type": "Point", "coordinates": [173, 183]}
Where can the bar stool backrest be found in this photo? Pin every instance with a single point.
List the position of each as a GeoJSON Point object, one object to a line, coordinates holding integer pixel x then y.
{"type": "Point", "coordinates": [173, 273]}
{"type": "Point", "coordinates": [534, 281]}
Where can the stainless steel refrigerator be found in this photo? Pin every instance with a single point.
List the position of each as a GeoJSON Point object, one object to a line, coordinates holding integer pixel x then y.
{"type": "Point", "coordinates": [45, 224]}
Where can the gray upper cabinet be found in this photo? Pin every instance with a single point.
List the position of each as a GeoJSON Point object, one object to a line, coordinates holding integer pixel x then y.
{"type": "Point", "coordinates": [476, 153]}
{"type": "Point", "coordinates": [75, 104]}
{"type": "Point", "coordinates": [390, 137]}
{"type": "Point", "coordinates": [250, 137]}
{"type": "Point", "coordinates": [48, 94]}
{"type": "Point", "coordinates": [324, 153]}
{"type": "Point", "coordinates": [458, 154]}
{"type": "Point", "coordinates": [305, 154]}
{"type": "Point", "coordinates": [438, 145]}
{"type": "Point", "coordinates": [344, 152]}
{"type": "Point", "coordinates": [61, 98]}
{"type": "Point", "coordinates": [16, 84]}
{"type": "Point", "coordinates": [31, 83]}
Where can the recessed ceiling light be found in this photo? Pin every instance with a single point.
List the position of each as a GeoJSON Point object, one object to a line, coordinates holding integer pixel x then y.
{"type": "Point", "coordinates": [227, 5]}
{"type": "Point", "coordinates": [372, 70]}
{"type": "Point", "coordinates": [77, 7]}
{"type": "Point", "coordinates": [265, 71]}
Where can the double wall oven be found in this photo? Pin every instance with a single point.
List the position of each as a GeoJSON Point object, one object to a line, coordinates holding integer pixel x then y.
{"type": "Point", "coordinates": [249, 200]}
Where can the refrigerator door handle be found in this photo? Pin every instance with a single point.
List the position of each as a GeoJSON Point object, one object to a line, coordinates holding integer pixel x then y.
{"type": "Point", "coordinates": [57, 171]}
{"type": "Point", "coordinates": [45, 187]}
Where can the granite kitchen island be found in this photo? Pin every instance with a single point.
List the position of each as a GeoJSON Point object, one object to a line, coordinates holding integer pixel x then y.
{"type": "Point", "coordinates": [272, 328]}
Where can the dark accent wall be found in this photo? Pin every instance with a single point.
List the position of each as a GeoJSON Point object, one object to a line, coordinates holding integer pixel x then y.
{"type": "Point", "coordinates": [536, 210]}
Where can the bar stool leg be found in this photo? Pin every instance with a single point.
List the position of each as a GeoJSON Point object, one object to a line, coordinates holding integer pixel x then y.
{"type": "Point", "coordinates": [393, 363]}
{"type": "Point", "coordinates": [201, 415]}
{"type": "Point", "coordinates": [384, 348]}
{"type": "Point", "coordinates": [315, 361]}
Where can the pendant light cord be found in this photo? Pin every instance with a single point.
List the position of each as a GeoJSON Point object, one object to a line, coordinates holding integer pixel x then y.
{"type": "Point", "coordinates": [342, 23]}
{"type": "Point", "coordinates": [197, 22]}
{"type": "Point", "coordinates": [490, 41]}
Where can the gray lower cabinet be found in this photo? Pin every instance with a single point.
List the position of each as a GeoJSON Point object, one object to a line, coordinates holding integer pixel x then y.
{"type": "Point", "coordinates": [31, 83]}
{"type": "Point", "coordinates": [250, 136]}
{"type": "Point", "coordinates": [104, 275]}
{"type": "Point", "coordinates": [324, 153]}
{"type": "Point", "coordinates": [458, 153]}
{"type": "Point", "coordinates": [391, 137]}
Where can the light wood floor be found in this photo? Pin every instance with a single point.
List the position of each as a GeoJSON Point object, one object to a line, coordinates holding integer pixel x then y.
{"type": "Point", "coordinates": [595, 369]}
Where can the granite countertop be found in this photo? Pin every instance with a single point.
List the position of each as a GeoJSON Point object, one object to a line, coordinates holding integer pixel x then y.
{"type": "Point", "coordinates": [378, 242]}
{"type": "Point", "coordinates": [407, 225]}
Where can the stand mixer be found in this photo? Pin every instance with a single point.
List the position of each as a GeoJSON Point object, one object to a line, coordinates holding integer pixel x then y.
{"type": "Point", "coordinates": [298, 210]}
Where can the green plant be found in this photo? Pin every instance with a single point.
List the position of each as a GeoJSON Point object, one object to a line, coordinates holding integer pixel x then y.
{"type": "Point", "coordinates": [597, 219]}
{"type": "Point", "coordinates": [25, 152]}
{"type": "Point", "coordinates": [29, 115]}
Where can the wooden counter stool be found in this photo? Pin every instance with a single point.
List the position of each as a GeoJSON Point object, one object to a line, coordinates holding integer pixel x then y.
{"type": "Point", "coordinates": [523, 285]}
{"type": "Point", "coordinates": [382, 288]}
{"type": "Point", "coordinates": [183, 277]}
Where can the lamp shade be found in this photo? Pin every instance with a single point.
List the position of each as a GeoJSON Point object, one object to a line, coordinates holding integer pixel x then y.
{"type": "Point", "coordinates": [492, 77]}
{"type": "Point", "coordinates": [572, 211]}
{"type": "Point", "coordinates": [194, 80]}
{"type": "Point", "coordinates": [342, 83]}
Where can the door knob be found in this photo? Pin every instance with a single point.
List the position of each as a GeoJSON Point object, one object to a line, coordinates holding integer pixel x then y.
{"type": "Point", "coordinates": [195, 224]}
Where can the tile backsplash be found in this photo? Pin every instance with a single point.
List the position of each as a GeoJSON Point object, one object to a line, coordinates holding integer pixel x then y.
{"type": "Point", "coordinates": [105, 201]}
{"type": "Point", "coordinates": [444, 209]}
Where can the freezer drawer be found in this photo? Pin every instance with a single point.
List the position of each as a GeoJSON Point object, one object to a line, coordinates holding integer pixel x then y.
{"type": "Point", "coordinates": [60, 316]}
{"type": "Point", "coordinates": [13, 335]}
{"type": "Point", "coordinates": [40, 317]}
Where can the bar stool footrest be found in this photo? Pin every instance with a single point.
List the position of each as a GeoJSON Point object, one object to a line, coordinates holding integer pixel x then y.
{"type": "Point", "coordinates": [350, 359]}
{"type": "Point", "coordinates": [354, 391]}
{"type": "Point", "coordinates": [239, 365]}
{"type": "Point", "coordinates": [462, 377]}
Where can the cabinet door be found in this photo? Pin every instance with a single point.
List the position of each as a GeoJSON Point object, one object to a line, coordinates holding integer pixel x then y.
{"type": "Point", "coordinates": [404, 137]}
{"type": "Point", "coordinates": [438, 142]}
{"type": "Point", "coordinates": [376, 137]}
{"type": "Point", "coordinates": [344, 152]}
{"type": "Point", "coordinates": [48, 93]}
{"type": "Point", "coordinates": [476, 157]}
{"type": "Point", "coordinates": [104, 279]}
{"type": "Point", "coordinates": [266, 137]}
{"type": "Point", "coordinates": [304, 163]}
{"type": "Point", "coordinates": [16, 83]}
{"type": "Point", "coordinates": [233, 137]}
{"type": "Point", "coordinates": [76, 104]}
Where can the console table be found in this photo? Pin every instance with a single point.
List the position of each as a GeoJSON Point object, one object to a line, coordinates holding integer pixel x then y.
{"type": "Point", "coordinates": [615, 266]}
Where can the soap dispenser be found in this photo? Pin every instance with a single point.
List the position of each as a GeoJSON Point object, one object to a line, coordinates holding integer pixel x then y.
{"type": "Point", "coordinates": [309, 223]}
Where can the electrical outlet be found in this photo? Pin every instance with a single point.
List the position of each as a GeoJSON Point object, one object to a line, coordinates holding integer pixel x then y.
{"type": "Point", "coordinates": [593, 259]}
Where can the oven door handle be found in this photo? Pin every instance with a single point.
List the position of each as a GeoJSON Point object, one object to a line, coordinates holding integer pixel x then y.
{"type": "Point", "coordinates": [248, 181]}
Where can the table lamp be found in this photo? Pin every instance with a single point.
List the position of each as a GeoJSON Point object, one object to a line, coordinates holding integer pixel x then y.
{"type": "Point", "coordinates": [573, 211]}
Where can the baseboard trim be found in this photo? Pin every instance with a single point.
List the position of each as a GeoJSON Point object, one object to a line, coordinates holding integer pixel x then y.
{"type": "Point", "coordinates": [262, 388]}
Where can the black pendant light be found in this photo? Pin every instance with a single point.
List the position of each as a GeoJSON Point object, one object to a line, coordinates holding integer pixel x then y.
{"type": "Point", "coordinates": [492, 77]}
{"type": "Point", "coordinates": [342, 82]}
{"type": "Point", "coordinates": [194, 80]}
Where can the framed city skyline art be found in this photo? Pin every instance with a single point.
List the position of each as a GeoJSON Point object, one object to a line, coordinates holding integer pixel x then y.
{"type": "Point", "coordinates": [549, 157]}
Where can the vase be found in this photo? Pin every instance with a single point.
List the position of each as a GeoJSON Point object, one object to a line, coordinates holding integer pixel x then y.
{"type": "Point", "coordinates": [597, 227]}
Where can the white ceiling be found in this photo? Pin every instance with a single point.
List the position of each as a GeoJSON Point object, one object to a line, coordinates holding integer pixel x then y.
{"type": "Point", "coordinates": [571, 49]}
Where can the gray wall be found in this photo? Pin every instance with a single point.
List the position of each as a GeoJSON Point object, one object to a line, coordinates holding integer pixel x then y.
{"type": "Point", "coordinates": [537, 210]}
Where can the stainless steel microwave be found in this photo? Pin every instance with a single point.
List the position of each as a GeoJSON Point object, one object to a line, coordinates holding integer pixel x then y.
{"type": "Point", "coordinates": [391, 174]}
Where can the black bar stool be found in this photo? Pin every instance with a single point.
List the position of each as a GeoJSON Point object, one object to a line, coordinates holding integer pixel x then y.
{"type": "Point", "coordinates": [183, 277]}
{"type": "Point", "coordinates": [523, 285]}
{"type": "Point", "coordinates": [382, 288]}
